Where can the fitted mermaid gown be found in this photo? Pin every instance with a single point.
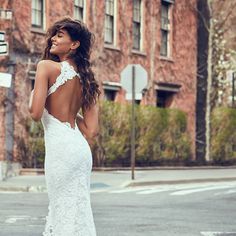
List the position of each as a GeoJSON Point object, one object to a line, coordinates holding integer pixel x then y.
{"type": "Point", "coordinates": [68, 166]}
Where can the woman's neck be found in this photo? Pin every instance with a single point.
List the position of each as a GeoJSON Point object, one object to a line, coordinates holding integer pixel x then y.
{"type": "Point", "coordinates": [63, 57]}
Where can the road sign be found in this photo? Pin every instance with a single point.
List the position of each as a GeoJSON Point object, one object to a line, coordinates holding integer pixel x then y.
{"type": "Point", "coordinates": [3, 48]}
{"type": "Point", "coordinates": [5, 80]}
{"type": "Point", "coordinates": [2, 36]}
{"type": "Point", "coordinates": [140, 80]}
{"type": "Point", "coordinates": [133, 80]}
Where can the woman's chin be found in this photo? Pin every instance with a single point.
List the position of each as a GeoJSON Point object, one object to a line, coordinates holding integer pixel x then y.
{"type": "Point", "coordinates": [53, 52]}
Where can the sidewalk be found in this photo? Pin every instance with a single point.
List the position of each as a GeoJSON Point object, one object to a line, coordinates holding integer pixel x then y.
{"type": "Point", "coordinates": [102, 179]}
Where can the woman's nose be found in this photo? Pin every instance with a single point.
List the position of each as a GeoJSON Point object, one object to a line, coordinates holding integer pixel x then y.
{"type": "Point", "coordinates": [53, 38]}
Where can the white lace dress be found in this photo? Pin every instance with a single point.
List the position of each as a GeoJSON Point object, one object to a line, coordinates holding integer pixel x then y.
{"type": "Point", "coordinates": [68, 165]}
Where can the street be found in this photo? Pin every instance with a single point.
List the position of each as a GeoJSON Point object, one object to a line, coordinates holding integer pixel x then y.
{"type": "Point", "coordinates": [195, 209]}
{"type": "Point", "coordinates": [134, 99]}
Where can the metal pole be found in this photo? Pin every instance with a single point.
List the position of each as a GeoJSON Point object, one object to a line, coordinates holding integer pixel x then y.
{"type": "Point", "coordinates": [233, 90]}
{"type": "Point", "coordinates": [10, 107]}
{"type": "Point", "coordinates": [9, 121]}
{"type": "Point", "coordinates": [133, 124]}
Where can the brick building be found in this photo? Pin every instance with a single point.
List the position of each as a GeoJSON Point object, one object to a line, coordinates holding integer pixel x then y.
{"type": "Point", "coordinates": [161, 35]}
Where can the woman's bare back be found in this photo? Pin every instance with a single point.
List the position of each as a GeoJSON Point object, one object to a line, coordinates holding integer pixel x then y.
{"type": "Point", "coordinates": [65, 102]}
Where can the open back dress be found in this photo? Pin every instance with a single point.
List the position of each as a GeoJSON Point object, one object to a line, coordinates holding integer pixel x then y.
{"type": "Point", "coordinates": [68, 166]}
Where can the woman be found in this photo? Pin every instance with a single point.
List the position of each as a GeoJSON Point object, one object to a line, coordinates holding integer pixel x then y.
{"type": "Point", "coordinates": [65, 84]}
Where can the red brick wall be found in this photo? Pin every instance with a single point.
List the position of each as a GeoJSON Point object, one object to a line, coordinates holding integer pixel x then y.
{"type": "Point", "coordinates": [181, 69]}
{"type": "Point", "coordinates": [109, 62]}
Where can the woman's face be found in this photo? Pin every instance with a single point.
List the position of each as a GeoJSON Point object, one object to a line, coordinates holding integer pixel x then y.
{"type": "Point", "coordinates": [61, 43]}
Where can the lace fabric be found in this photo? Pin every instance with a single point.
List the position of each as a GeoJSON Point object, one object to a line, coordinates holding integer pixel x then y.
{"type": "Point", "coordinates": [68, 166]}
{"type": "Point", "coordinates": [67, 73]}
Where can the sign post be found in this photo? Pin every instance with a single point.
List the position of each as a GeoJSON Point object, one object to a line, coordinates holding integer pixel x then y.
{"type": "Point", "coordinates": [133, 124]}
{"type": "Point", "coordinates": [133, 80]}
{"type": "Point", "coordinates": [233, 89]}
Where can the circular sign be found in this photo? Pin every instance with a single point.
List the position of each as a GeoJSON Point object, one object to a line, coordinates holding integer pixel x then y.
{"type": "Point", "coordinates": [140, 78]}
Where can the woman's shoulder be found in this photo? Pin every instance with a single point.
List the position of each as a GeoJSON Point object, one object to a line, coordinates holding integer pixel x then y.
{"type": "Point", "coordinates": [49, 64]}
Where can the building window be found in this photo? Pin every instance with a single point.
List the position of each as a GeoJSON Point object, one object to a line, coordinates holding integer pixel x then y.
{"type": "Point", "coordinates": [165, 93]}
{"type": "Point", "coordinates": [110, 90]}
{"type": "Point", "coordinates": [136, 24]}
{"type": "Point", "coordinates": [163, 98]}
{"type": "Point", "coordinates": [109, 95]}
{"type": "Point", "coordinates": [109, 22]}
{"type": "Point", "coordinates": [37, 13]}
{"type": "Point", "coordinates": [79, 10]}
{"type": "Point", "coordinates": [165, 23]}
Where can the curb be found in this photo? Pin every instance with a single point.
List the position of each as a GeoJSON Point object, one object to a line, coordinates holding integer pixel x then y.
{"type": "Point", "coordinates": [30, 171]}
{"type": "Point", "coordinates": [43, 189]}
{"type": "Point", "coordinates": [164, 168]}
{"type": "Point", "coordinates": [181, 181]}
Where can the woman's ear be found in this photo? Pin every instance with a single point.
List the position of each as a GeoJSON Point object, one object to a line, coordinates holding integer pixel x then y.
{"type": "Point", "coordinates": [75, 45]}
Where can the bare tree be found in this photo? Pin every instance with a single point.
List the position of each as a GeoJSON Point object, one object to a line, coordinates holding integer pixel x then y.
{"type": "Point", "coordinates": [216, 17]}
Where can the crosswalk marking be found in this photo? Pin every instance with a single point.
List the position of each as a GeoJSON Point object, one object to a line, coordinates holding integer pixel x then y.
{"type": "Point", "coordinates": [178, 190]}
{"type": "Point", "coordinates": [185, 192]}
{"type": "Point", "coordinates": [226, 193]}
{"type": "Point", "coordinates": [12, 219]}
{"type": "Point", "coordinates": [126, 190]}
{"type": "Point", "coordinates": [218, 233]}
{"type": "Point", "coordinates": [150, 191]}
{"type": "Point", "coordinates": [168, 188]}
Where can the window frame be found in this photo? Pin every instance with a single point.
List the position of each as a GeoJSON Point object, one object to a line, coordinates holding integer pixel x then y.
{"type": "Point", "coordinates": [165, 30]}
{"type": "Point", "coordinates": [137, 23]}
{"type": "Point", "coordinates": [112, 15]}
{"type": "Point", "coordinates": [162, 98]}
{"type": "Point", "coordinates": [111, 86]}
{"type": "Point", "coordinates": [77, 9]}
{"type": "Point", "coordinates": [41, 12]}
{"type": "Point", "coordinates": [168, 90]}
{"type": "Point", "coordinates": [112, 97]}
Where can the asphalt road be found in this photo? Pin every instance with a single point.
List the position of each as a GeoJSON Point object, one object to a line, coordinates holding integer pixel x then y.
{"type": "Point", "coordinates": [203, 209]}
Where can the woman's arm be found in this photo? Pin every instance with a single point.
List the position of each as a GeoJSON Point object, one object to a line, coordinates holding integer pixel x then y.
{"type": "Point", "coordinates": [88, 123]}
{"type": "Point", "coordinates": [39, 93]}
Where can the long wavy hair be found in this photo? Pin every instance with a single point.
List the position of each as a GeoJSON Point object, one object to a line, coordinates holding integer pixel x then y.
{"type": "Point", "coordinates": [81, 56]}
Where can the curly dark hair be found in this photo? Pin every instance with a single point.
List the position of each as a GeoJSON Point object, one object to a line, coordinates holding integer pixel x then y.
{"type": "Point", "coordinates": [77, 31]}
